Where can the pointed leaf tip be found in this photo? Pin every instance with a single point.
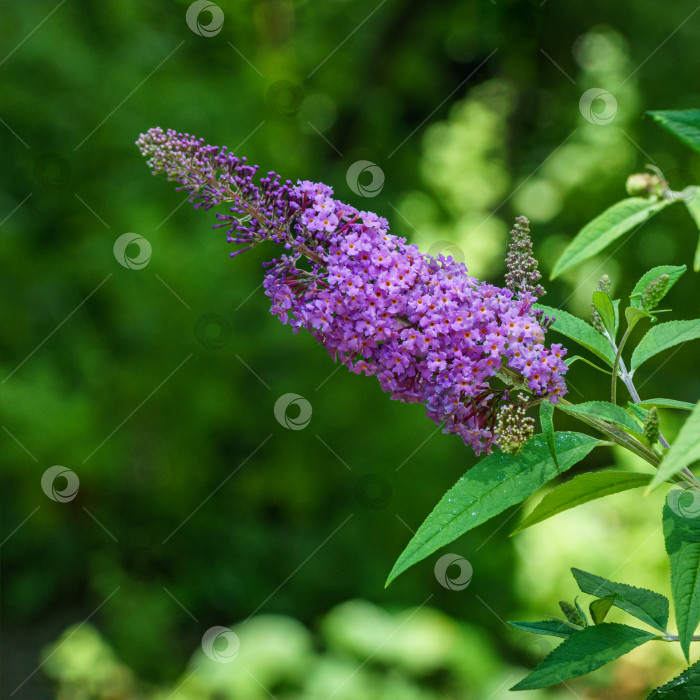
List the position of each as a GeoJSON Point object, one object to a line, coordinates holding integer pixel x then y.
{"type": "Point", "coordinates": [494, 484]}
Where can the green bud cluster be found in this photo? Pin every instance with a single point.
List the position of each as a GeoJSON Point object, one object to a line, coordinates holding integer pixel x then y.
{"type": "Point", "coordinates": [654, 292]}
{"type": "Point", "coordinates": [513, 427]}
{"type": "Point", "coordinates": [523, 275]}
{"type": "Point", "coordinates": [651, 425]}
{"type": "Point", "coordinates": [572, 613]}
{"type": "Point", "coordinates": [604, 284]}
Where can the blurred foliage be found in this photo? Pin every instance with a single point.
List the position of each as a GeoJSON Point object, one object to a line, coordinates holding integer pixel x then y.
{"type": "Point", "coordinates": [174, 529]}
{"type": "Point", "coordinates": [432, 657]}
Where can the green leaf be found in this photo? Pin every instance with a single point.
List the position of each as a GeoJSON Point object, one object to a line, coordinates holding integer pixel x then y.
{"type": "Point", "coordinates": [682, 536]}
{"type": "Point", "coordinates": [584, 619]}
{"type": "Point", "coordinates": [585, 651]}
{"type": "Point", "coordinates": [570, 361]}
{"type": "Point", "coordinates": [606, 228]}
{"type": "Point", "coordinates": [639, 413]}
{"type": "Point", "coordinates": [580, 331]}
{"type": "Point", "coordinates": [633, 316]}
{"type": "Point", "coordinates": [616, 306]}
{"type": "Point", "coordinates": [693, 206]}
{"type": "Point", "coordinates": [684, 451]}
{"type": "Point", "coordinates": [666, 403]}
{"type": "Point", "coordinates": [683, 124]}
{"type": "Point", "coordinates": [663, 337]}
{"type": "Point", "coordinates": [686, 686]}
{"type": "Point", "coordinates": [600, 608]}
{"type": "Point", "coordinates": [553, 628]}
{"type": "Point", "coordinates": [604, 306]}
{"type": "Point", "coordinates": [603, 410]}
{"type": "Point", "coordinates": [647, 606]}
{"type": "Point", "coordinates": [674, 273]}
{"type": "Point", "coordinates": [582, 489]}
{"type": "Point", "coordinates": [546, 413]}
{"type": "Point", "coordinates": [495, 483]}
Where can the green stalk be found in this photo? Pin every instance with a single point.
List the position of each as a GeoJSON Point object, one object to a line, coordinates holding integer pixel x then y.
{"type": "Point", "coordinates": [618, 360]}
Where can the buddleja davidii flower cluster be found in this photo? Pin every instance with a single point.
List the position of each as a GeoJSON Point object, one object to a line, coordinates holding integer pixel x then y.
{"type": "Point", "coordinates": [427, 330]}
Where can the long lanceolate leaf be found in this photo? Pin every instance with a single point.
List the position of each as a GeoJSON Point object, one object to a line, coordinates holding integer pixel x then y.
{"type": "Point", "coordinates": [583, 652]}
{"type": "Point", "coordinates": [684, 451]}
{"type": "Point", "coordinates": [607, 227]}
{"type": "Point", "coordinates": [647, 606]}
{"type": "Point", "coordinates": [487, 489]}
{"type": "Point", "coordinates": [604, 410]}
{"type": "Point", "coordinates": [682, 535]}
{"type": "Point", "coordinates": [580, 331]}
{"type": "Point", "coordinates": [582, 489]}
{"type": "Point", "coordinates": [666, 403]}
{"type": "Point", "coordinates": [663, 337]}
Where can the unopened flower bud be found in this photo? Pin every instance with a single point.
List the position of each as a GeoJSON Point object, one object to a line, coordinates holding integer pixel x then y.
{"type": "Point", "coordinates": [654, 292]}
{"type": "Point", "coordinates": [604, 284]}
{"type": "Point", "coordinates": [572, 613]}
{"type": "Point", "coordinates": [644, 185]}
{"type": "Point", "coordinates": [651, 425]}
{"type": "Point", "coordinates": [522, 274]}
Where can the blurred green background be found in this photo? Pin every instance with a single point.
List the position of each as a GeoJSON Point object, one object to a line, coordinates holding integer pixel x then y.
{"type": "Point", "coordinates": [155, 386]}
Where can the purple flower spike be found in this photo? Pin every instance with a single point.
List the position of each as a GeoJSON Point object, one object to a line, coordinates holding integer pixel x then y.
{"type": "Point", "coordinates": [428, 331]}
